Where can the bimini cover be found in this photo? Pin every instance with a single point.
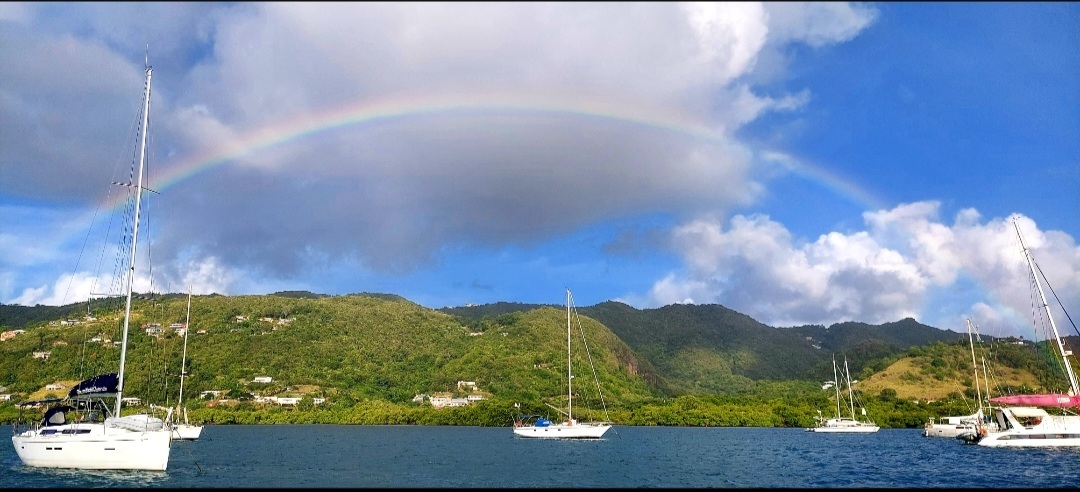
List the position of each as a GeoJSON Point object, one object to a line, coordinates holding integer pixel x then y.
{"type": "Point", "coordinates": [542, 422]}
{"type": "Point", "coordinates": [101, 385]}
{"type": "Point", "coordinates": [56, 415]}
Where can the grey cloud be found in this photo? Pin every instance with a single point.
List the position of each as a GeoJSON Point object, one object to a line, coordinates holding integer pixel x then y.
{"type": "Point", "coordinates": [386, 195]}
{"type": "Point", "coordinates": [396, 194]}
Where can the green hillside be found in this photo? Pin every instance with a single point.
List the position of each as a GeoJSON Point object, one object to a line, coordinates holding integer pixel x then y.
{"type": "Point", "coordinates": [371, 355]}
{"type": "Point", "coordinates": [710, 348]}
{"type": "Point", "coordinates": [945, 370]}
{"type": "Point", "coordinates": [359, 347]}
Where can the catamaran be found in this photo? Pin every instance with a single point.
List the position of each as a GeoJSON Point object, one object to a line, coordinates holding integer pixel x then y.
{"type": "Point", "coordinates": [1020, 420]}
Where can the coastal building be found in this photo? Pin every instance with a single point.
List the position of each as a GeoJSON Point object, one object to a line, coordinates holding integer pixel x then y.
{"type": "Point", "coordinates": [8, 335]}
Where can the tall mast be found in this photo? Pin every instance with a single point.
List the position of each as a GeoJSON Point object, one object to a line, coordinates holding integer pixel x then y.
{"type": "Point", "coordinates": [569, 375]}
{"type": "Point", "coordinates": [1074, 388]}
{"type": "Point", "coordinates": [851, 397]}
{"type": "Point", "coordinates": [975, 367]}
{"type": "Point", "coordinates": [836, 386]}
{"type": "Point", "coordinates": [183, 360]}
{"type": "Point", "coordinates": [134, 238]}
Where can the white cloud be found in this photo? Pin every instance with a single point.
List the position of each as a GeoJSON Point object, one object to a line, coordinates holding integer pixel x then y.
{"type": "Point", "coordinates": [69, 289]}
{"type": "Point", "coordinates": [817, 23]}
{"type": "Point", "coordinates": [985, 315]}
{"type": "Point", "coordinates": [206, 276]}
{"type": "Point", "coordinates": [14, 12]}
{"type": "Point", "coordinates": [756, 267]}
{"type": "Point", "coordinates": [729, 35]}
{"type": "Point", "coordinates": [911, 227]}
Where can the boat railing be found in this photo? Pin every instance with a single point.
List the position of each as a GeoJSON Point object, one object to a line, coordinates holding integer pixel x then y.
{"type": "Point", "coordinates": [29, 422]}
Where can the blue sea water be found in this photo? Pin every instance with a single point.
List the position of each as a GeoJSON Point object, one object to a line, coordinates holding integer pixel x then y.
{"type": "Point", "coordinates": [277, 456]}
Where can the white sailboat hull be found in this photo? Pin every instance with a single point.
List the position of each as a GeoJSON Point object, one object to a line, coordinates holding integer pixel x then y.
{"type": "Point", "coordinates": [98, 447]}
{"type": "Point", "coordinates": [186, 432]}
{"type": "Point", "coordinates": [543, 428]}
{"type": "Point", "coordinates": [564, 430]}
{"type": "Point", "coordinates": [1052, 431]}
{"type": "Point", "coordinates": [838, 430]}
{"type": "Point", "coordinates": [1021, 441]}
{"type": "Point", "coordinates": [844, 426]}
{"type": "Point", "coordinates": [948, 430]}
{"type": "Point", "coordinates": [954, 426]}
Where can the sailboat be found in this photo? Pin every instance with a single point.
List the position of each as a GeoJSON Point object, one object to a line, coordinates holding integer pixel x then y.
{"type": "Point", "coordinates": [840, 423]}
{"type": "Point", "coordinates": [1020, 421]}
{"type": "Point", "coordinates": [184, 431]}
{"type": "Point", "coordinates": [79, 431]}
{"type": "Point", "coordinates": [955, 426]}
{"type": "Point", "coordinates": [537, 426]}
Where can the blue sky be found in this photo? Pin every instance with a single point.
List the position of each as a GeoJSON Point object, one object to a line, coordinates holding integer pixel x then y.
{"type": "Point", "coordinates": [800, 163]}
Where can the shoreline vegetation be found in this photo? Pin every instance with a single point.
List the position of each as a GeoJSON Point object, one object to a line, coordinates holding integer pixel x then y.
{"type": "Point", "coordinates": [682, 411]}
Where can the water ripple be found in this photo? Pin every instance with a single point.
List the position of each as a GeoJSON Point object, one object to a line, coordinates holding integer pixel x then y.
{"type": "Point", "coordinates": [266, 456]}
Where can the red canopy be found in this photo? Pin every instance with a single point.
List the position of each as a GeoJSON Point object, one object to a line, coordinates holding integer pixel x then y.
{"type": "Point", "coordinates": [1057, 400]}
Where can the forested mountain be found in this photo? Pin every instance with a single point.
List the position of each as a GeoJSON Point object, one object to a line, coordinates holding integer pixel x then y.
{"type": "Point", "coordinates": [16, 316]}
{"type": "Point", "coordinates": [710, 348]}
{"type": "Point", "coordinates": [384, 346]}
{"type": "Point", "coordinates": [372, 354]}
{"type": "Point", "coordinates": [357, 346]}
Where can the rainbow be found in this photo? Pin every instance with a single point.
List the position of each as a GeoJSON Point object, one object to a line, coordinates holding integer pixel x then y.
{"type": "Point", "coordinates": [396, 108]}
{"type": "Point", "coordinates": [231, 150]}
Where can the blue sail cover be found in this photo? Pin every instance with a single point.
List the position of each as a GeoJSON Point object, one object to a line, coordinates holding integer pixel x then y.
{"type": "Point", "coordinates": [101, 385]}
